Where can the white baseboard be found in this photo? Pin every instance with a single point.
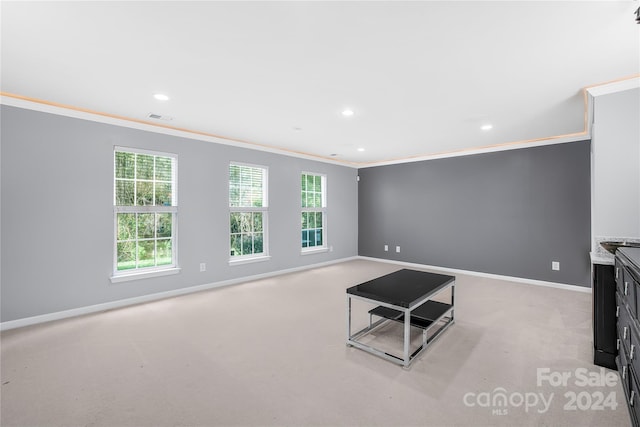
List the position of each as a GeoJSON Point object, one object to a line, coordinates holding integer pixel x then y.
{"type": "Point", "coordinates": [74, 312]}
{"type": "Point", "coordinates": [34, 320]}
{"type": "Point", "coordinates": [575, 288]}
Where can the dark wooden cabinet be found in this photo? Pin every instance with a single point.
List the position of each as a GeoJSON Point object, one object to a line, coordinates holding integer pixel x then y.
{"type": "Point", "coordinates": [627, 285]}
{"type": "Point", "coordinates": [604, 316]}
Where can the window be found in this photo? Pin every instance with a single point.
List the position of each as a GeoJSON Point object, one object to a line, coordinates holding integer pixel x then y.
{"type": "Point", "coordinates": [145, 209]}
{"type": "Point", "coordinates": [314, 218]}
{"type": "Point", "coordinates": [247, 212]}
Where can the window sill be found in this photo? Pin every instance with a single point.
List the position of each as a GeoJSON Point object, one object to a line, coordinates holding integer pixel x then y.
{"type": "Point", "coordinates": [126, 277]}
{"type": "Point", "coordinates": [249, 260]}
{"type": "Point", "coordinates": [313, 251]}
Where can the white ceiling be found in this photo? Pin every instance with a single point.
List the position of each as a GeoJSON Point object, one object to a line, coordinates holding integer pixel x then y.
{"type": "Point", "coordinates": [421, 77]}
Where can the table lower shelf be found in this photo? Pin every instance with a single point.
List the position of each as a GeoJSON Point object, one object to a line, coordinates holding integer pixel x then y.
{"type": "Point", "coordinates": [422, 317]}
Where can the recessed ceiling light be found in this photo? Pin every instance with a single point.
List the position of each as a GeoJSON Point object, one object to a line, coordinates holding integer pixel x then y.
{"type": "Point", "coordinates": [347, 113]}
{"type": "Point", "coordinates": [360, 149]}
{"type": "Point", "coordinates": [486, 127]}
{"type": "Point", "coordinates": [161, 97]}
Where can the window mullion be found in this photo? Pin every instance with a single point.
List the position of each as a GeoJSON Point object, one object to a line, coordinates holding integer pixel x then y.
{"type": "Point", "coordinates": [146, 209]}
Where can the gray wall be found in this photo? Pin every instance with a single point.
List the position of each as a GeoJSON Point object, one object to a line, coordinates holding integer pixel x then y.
{"type": "Point", "coordinates": [57, 212]}
{"type": "Point", "coordinates": [509, 213]}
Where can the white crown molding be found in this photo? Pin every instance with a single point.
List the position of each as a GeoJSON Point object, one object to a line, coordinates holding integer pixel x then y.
{"type": "Point", "coordinates": [482, 150]}
{"type": "Point", "coordinates": [626, 83]}
{"type": "Point", "coordinates": [614, 87]}
{"type": "Point", "coordinates": [68, 111]}
{"type": "Point", "coordinates": [51, 108]}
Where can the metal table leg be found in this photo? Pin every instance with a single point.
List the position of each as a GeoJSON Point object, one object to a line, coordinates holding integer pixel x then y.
{"type": "Point", "coordinates": [407, 337]}
{"type": "Point", "coordinates": [348, 317]}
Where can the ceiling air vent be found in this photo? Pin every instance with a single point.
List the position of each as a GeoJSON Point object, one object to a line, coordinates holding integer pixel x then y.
{"type": "Point", "coordinates": [159, 117]}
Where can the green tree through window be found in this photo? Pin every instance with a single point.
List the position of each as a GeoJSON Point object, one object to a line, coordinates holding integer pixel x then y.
{"type": "Point", "coordinates": [145, 208]}
{"type": "Point", "coordinates": [247, 211]}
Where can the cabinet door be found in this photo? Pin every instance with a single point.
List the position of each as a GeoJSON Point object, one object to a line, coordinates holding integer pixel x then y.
{"type": "Point", "coordinates": [629, 292]}
{"type": "Point", "coordinates": [634, 399]}
{"type": "Point", "coordinates": [619, 305]}
{"type": "Point", "coordinates": [633, 356]}
{"type": "Point", "coordinates": [623, 370]}
{"type": "Point", "coordinates": [630, 282]}
{"type": "Point", "coordinates": [624, 330]}
{"type": "Point", "coordinates": [619, 276]}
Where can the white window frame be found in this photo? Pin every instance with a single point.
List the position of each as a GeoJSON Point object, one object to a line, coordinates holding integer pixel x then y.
{"type": "Point", "coordinates": [154, 271]}
{"type": "Point", "coordinates": [264, 209]}
{"type": "Point", "coordinates": [323, 209]}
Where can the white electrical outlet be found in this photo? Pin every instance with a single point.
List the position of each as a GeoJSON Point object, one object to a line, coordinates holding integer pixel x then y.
{"type": "Point", "coordinates": [398, 249]}
{"type": "Point", "coordinates": [386, 248]}
{"type": "Point", "coordinates": [203, 267]}
{"type": "Point", "coordinates": [555, 265]}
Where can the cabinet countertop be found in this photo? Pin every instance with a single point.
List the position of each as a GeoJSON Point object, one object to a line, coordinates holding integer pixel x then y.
{"type": "Point", "coordinates": [598, 258]}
